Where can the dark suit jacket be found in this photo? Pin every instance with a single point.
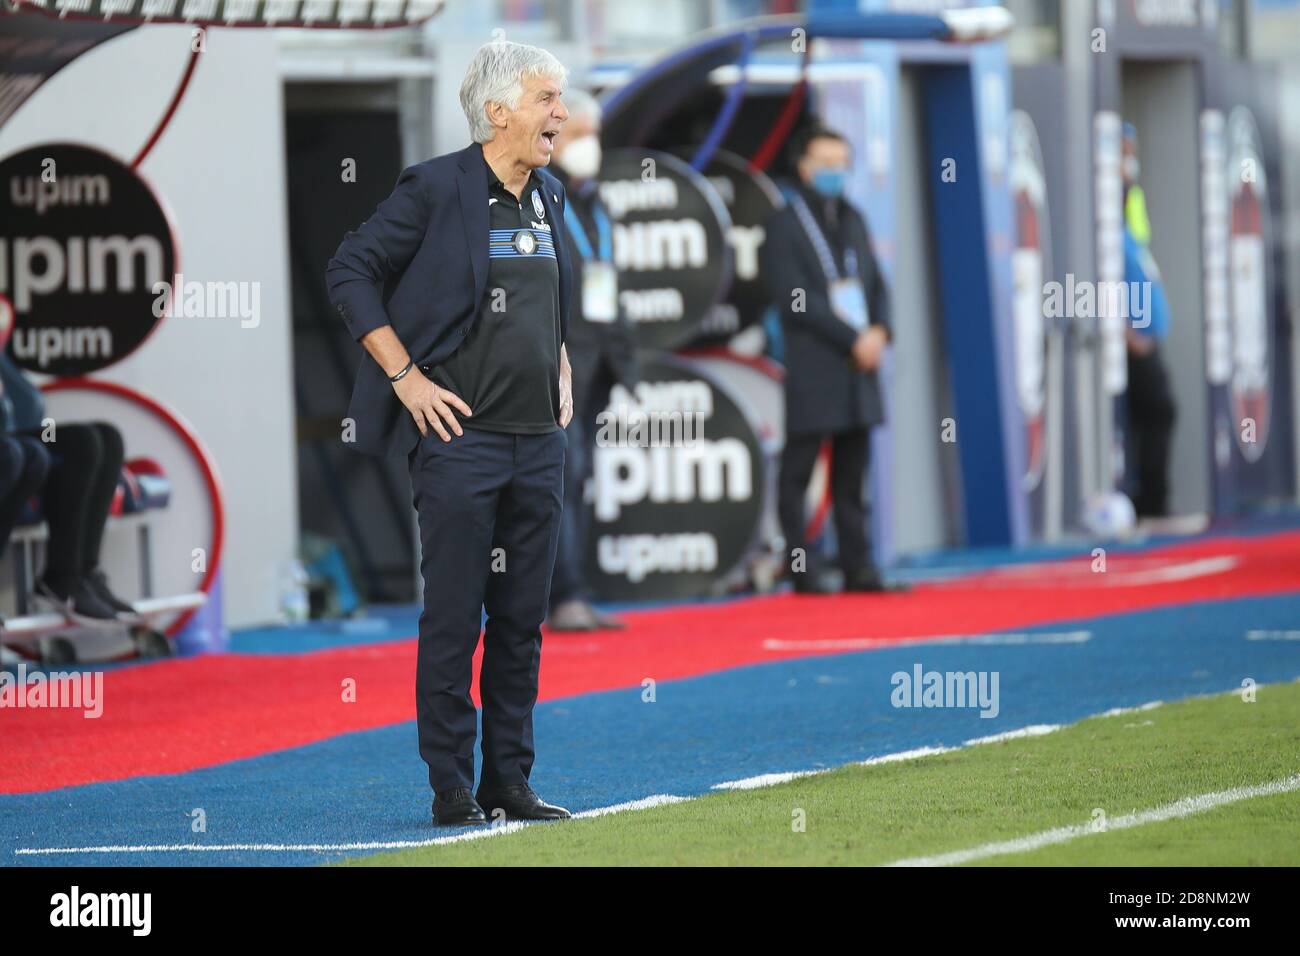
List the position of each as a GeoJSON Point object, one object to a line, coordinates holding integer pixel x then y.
{"type": "Point", "coordinates": [420, 263]}
{"type": "Point", "coordinates": [824, 391]}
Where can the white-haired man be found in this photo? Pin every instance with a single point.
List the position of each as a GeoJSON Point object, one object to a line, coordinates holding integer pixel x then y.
{"type": "Point", "coordinates": [459, 293]}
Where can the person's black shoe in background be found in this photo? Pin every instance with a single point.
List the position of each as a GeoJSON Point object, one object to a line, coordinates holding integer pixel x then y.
{"type": "Point", "coordinates": [97, 581]}
{"type": "Point", "coordinates": [579, 615]}
{"type": "Point", "coordinates": [78, 602]}
{"type": "Point", "coordinates": [868, 581]}
{"type": "Point", "coordinates": [811, 581]}
{"type": "Point", "coordinates": [457, 808]}
{"type": "Point", "coordinates": [572, 615]}
{"type": "Point", "coordinates": [518, 802]}
{"type": "Point", "coordinates": [607, 622]}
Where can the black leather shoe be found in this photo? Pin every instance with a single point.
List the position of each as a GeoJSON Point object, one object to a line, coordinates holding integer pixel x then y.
{"type": "Point", "coordinates": [518, 802]}
{"type": "Point", "coordinates": [457, 808]}
{"type": "Point", "coordinates": [811, 581]}
{"type": "Point", "coordinates": [869, 581]}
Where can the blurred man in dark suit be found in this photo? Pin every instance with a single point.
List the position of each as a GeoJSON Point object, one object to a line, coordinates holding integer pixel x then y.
{"type": "Point", "coordinates": [1149, 400]}
{"type": "Point", "coordinates": [820, 270]}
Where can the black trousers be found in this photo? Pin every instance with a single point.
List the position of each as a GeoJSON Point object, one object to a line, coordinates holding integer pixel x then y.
{"type": "Point", "coordinates": [86, 464]}
{"type": "Point", "coordinates": [489, 510]}
{"type": "Point", "coordinates": [1151, 415]}
{"type": "Point", "coordinates": [850, 456]}
{"type": "Point", "coordinates": [24, 465]}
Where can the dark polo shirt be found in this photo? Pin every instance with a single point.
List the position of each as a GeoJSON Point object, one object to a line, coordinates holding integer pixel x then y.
{"type": "Point", "coordinates": [508, 368]}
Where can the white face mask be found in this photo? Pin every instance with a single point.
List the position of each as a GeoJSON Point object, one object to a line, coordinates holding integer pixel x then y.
{"type": "Point", "coordinates": [1132, 168]}
{"type": "Point", "coordinates": [581, 157]}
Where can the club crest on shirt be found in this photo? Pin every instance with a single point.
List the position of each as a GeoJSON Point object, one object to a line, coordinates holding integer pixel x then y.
{"type": "Point", "coordinates": [525, 242]}
{"type": "Point", "coordinates": [537, 206]}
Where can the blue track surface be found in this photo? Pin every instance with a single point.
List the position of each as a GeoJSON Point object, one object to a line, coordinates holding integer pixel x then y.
{"type": "Point", "coordinates": [606, 748]}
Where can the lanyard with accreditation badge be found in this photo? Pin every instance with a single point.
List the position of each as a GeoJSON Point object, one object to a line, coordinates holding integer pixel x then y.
{"type": "Point", "coordinates": [848, 298]}
{"type": "Point", "coordinates": [599, 278]}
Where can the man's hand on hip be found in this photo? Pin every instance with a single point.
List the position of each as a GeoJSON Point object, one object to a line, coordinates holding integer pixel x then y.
{"type": "Point", "coordinates": [566, 388]}
{"type": "Point", "coordinates": [430, 405]}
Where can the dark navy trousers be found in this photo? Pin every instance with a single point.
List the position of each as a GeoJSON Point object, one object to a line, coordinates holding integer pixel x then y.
{"type": "Point", "coordinates": [489, 507]}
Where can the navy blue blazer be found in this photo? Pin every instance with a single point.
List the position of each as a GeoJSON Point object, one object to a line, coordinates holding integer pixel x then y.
{"type": "Point", "coordinates": [420, 263]}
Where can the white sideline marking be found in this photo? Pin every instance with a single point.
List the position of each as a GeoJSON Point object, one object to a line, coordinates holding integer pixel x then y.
{"type": "Point", "coordinates": [1178, 572]}
{"type": "Point", "coordinates": [645, 803]}
{"type": "Point", "coordinates": [765, 780]}
{"type": "Point", "coordinates": [1071, 573]}
{"type": "Point", "coordinates": [1118, 711]}
{"type": "Point", "coordinates": [772, 779]}
{"type": "Point", "coordinates": [511, 826]}
{"type": "Point", "coordinates": [868, 643]}
{"type": "Point", "coordinates": [906, 755]}
{"type": "Point", "coordinates": [1033, 730]}
{"type": "Point", "coordinates": [1185, 807]}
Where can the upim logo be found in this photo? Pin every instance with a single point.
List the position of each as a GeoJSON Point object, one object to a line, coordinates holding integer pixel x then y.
{"type": "Point", "coordinates": [32, 266]}
{"type": "Point", "coordinates": [636, 555]}
{"type": "Point", "coordinates": [705, 471]}
{"type": "Point", "coordinates": [103, 909]}
{"type": "Point", "coordinates": [946, 689]}
{"type": "Point", "coordinates": [41, 194]}
{"type": "Point", "coordinates": [622, 196]}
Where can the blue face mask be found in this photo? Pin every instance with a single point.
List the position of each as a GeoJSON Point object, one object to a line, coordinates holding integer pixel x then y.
{"type": "Point", "coordinates": [830, 182]}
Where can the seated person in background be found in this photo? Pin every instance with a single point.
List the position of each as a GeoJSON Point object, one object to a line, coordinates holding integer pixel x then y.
{"type": "Point", "coordinates": [84, 465]}
{"type": "Point", "coordinates": [24, 466]}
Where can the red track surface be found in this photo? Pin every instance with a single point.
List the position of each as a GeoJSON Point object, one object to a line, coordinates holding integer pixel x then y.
{"type": "Point", "coordinates": [180, 715]}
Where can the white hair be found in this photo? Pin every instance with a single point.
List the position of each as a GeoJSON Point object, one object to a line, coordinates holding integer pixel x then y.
{"type": "Point", "coordinates": [581, 103]}
{"type": "Point", "coordinates": [496, 75]}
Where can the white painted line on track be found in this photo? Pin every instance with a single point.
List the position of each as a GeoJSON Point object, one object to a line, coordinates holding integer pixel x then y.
{"type": "Point", "coordinates": [1078, 573]}
{"type": "Point", "coordinates": [871, 643]}
{"type": "Point", "coordinates": [766, 780]}
{"type": "Point", "coordinates": [1273, 635]}
{"type": "Point", "coordinates": [905, 755]}
{"type": "Point", "coordinates": [1033, 730]}
{"type": "Point", "coordinates": [511, 826]}
{"type": "Point", "coordinates": [1117, 711]}
{"type": "Point", "coordinates": [772, 779]}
